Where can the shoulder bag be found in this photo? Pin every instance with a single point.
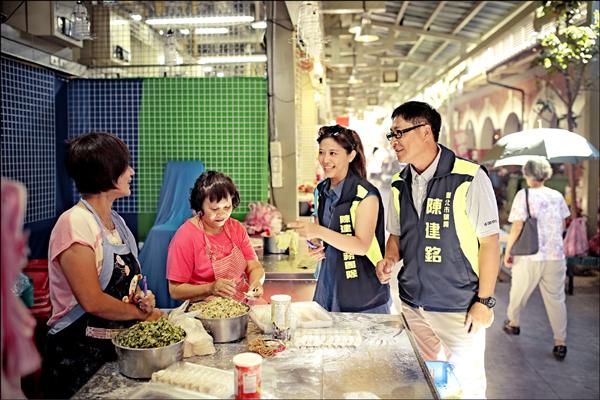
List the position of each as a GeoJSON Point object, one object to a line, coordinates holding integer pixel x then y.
{"type": "Point", "coordinates": [527, 242]}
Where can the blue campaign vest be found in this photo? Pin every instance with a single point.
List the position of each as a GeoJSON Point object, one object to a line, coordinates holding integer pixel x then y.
{"type": "Point", "coordinates": [439, 249]}
{"type": "Point", "coordinates": [358, 287]}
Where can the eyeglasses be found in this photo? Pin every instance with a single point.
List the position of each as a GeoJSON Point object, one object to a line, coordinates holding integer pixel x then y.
{"type": "Point", "coordinates": [398, 134]}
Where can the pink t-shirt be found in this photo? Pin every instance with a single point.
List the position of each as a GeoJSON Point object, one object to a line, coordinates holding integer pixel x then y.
{"type": "Point", "coordinates": [76, 225]}
{"type": "Point", "coordinates": [187, 261]}
{"type": "Point", "coordinates": [550, 209]}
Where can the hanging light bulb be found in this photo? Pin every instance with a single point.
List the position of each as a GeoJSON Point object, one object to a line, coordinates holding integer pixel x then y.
{"type": "Point", "coordinates": [366, 33]}
{"type": "Point", "coordinates": [81, 23]}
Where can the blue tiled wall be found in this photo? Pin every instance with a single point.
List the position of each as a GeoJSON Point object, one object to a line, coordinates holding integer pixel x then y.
{"type": "Point", "coordinates": [29, 136]}
{"type": "Point", "coordinates": [107, 106]}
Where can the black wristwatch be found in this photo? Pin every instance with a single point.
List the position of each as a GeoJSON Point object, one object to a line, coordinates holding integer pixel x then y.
{"type": "Point", "coordinates": [490, 302]}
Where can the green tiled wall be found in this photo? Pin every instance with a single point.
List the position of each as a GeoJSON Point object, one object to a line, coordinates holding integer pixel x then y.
{"type": "Point", "coordinates": [219, 121]}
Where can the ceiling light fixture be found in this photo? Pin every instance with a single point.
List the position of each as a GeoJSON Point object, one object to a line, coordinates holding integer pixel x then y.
{"type": "Point", "coordinates": [218, 20]}
{"type": "Point", "coordinates": [211, 31]}
{"type": "Point", "coordinates": [259, 25]}
{"type": "Point", "coordinates": [256, 58]}
{"type": "Point", "coordinates": [136, 17]}
{"type": "Point", "coordinates": [366, 33]}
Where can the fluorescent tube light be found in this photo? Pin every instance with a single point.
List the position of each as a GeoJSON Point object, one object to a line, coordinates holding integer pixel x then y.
{"type": "Point", "coordinates": [259, 25]}
{"type": "Point", "coordinates": [136, 17]}
{"type": "Point", "coordinates": [256, 58]}
{"type": "Point", "coordinates": [211, 31]}
{"type": "Point", "coordinates": [184, 31]}
{"type": "Point", "coordinates": [233, 19]}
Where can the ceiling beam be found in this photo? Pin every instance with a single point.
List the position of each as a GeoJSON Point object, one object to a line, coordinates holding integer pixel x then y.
{"type": "Point", "coordinates": [524, 10]}
{"type": "Point", "coordinates": [431, 34]}
{"type": "Point", "coordinates": [433, 15]}
{"type": "Point", "coordinates": [401, 12]}
{"type": "Point", "coordinates": [474, 11]}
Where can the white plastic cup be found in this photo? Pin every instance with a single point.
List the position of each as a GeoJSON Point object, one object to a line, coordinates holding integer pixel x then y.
{"type": "Point", "coordinates": [246, 375]}
{"type": "Point", "coordinates": [281, 315]}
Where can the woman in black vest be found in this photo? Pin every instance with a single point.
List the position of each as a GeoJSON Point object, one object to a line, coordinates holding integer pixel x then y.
{"type": "Point", "coordinates": [350, 223]}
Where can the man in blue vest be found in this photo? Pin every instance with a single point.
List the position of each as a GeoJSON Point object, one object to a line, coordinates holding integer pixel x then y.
{"type": "Point", "coordinates": [443, 225]}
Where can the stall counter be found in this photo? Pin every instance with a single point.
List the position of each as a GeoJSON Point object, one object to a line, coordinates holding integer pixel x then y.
{"type": "Point", "coordinates": [386, 364]}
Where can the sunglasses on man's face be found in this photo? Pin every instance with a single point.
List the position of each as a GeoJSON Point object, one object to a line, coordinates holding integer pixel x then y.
{"type": "Point", "coordinates": [399, 133]}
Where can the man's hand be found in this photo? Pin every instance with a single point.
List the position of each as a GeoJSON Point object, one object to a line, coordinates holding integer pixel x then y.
{"type": "Point", "coordinates": [383, 269]}
{"type": "Point", "coordinates": [223, 288]}
{"type": "Point", "coordinates": [478, 317]}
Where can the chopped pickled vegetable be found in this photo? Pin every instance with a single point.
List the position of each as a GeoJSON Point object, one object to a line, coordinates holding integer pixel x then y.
{"type": "Point", "coordinates": [150, 334]}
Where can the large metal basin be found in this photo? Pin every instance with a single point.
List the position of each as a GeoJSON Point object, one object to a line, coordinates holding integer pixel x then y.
{"type": "Point", "coordinates": [141, 363]}
{"type": "Point", "coordinates": [225, 330]}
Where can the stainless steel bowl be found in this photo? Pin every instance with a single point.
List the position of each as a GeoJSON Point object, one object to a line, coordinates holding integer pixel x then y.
{"type": "Point", "coordinates": [225, 330]}
{"type": "Point", "coordinates": [141, 363]}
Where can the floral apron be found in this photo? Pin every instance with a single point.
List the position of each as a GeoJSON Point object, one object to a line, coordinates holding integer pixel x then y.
{"type": "Point", "coordinates": [79, 343]}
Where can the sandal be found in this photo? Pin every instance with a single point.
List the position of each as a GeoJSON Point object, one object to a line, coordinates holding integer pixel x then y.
{"type": "Point", "coordinates": [509, 329]}
{"type": "Point", "coordinates": [560, 352]}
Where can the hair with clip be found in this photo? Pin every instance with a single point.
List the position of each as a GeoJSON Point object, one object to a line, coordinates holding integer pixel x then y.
{"type": "Point", "coordinates": [349, 140]}
{"type": "Point", "coordinates": [214, 186]}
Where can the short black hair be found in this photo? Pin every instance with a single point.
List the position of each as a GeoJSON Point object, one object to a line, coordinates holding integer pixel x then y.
{"type": "Point", "coordinates": [215, 186]}
{"type": "Point", "coordinates": [419, 112]}
{"type": "Point", "coordinates": [96, 160]}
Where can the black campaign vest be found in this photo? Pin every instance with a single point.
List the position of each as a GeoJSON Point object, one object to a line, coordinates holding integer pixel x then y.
{"type": "Point", "coordinates": [439, 249]}
{"type": "Point", "coordinates": [358, 286]}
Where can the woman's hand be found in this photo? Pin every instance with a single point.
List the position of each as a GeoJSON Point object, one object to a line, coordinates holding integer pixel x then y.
{"type": "Point", "coordinates": [147, 302]}
{"type": "Point", "coordinates": [508, 260]}
{"type": "Point", "coordinates": [317, 254]}
{"type": "Point", "coordinates": [223, 288]}
{"type": "Point", "coordinates": [305, 229]}
{"type": "Point", "coordinates": [256, 289]}
{"type": "Point", "coordinates": [154, 315]}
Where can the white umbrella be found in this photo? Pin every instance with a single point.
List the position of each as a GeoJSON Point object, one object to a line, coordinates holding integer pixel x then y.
{"type": "Point", "coordinates": [516, 160]}
{"type": "Point", "coordinates": [557, 145]}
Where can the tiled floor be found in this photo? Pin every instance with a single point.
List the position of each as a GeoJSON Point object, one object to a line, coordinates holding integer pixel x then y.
{"type": "Point", "coordinates": [523, 366]}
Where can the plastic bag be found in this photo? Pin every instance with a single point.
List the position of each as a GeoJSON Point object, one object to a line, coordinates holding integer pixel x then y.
{"type": "Point", "coordinates": [576, 241]}
{"type": "Point", "coordinates": [197, 341]}
{"type": "Point", "coordinates": [263, 219]}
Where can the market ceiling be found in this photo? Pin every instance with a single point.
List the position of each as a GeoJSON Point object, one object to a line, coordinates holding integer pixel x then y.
{"type": "Point", "coordinates": [418, 42]}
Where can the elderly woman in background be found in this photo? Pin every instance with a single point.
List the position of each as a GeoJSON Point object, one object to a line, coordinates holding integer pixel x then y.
{"type": "Point", "coordinates": [545, 268]}
{"type": "Point", "coordinates": [93, 268]}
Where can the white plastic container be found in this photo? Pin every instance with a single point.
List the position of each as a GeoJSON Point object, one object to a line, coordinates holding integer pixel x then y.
{"type": "Point", "coordinates": [281, 318]}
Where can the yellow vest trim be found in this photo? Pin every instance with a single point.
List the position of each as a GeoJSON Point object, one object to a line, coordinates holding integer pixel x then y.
{"type": "Point", "coordinates": [374, 252]}
{"type": "Point", "coordinates": [464, 167]}
{"type": "Point", "coordinates": [361, 192]}
{"type": "Point", "coordinates": [396, 194]}
{"type": "Point", "coordinates": [465, 231]}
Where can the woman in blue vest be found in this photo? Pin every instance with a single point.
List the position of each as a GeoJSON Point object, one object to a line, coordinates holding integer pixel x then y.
{"type": "Point", "coordinates": [350, 222]}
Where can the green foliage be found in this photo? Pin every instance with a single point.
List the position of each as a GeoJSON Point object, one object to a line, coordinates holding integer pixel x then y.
{"type": "Point", "coordinates": [569, 46]}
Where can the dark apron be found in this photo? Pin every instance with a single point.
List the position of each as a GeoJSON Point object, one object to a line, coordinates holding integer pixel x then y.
{"type": "Point", "coordinates": [71, 357]}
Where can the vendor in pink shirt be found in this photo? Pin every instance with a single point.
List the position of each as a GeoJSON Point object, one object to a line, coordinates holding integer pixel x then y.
{"type": "Point", "coordinates": [211, 254]}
